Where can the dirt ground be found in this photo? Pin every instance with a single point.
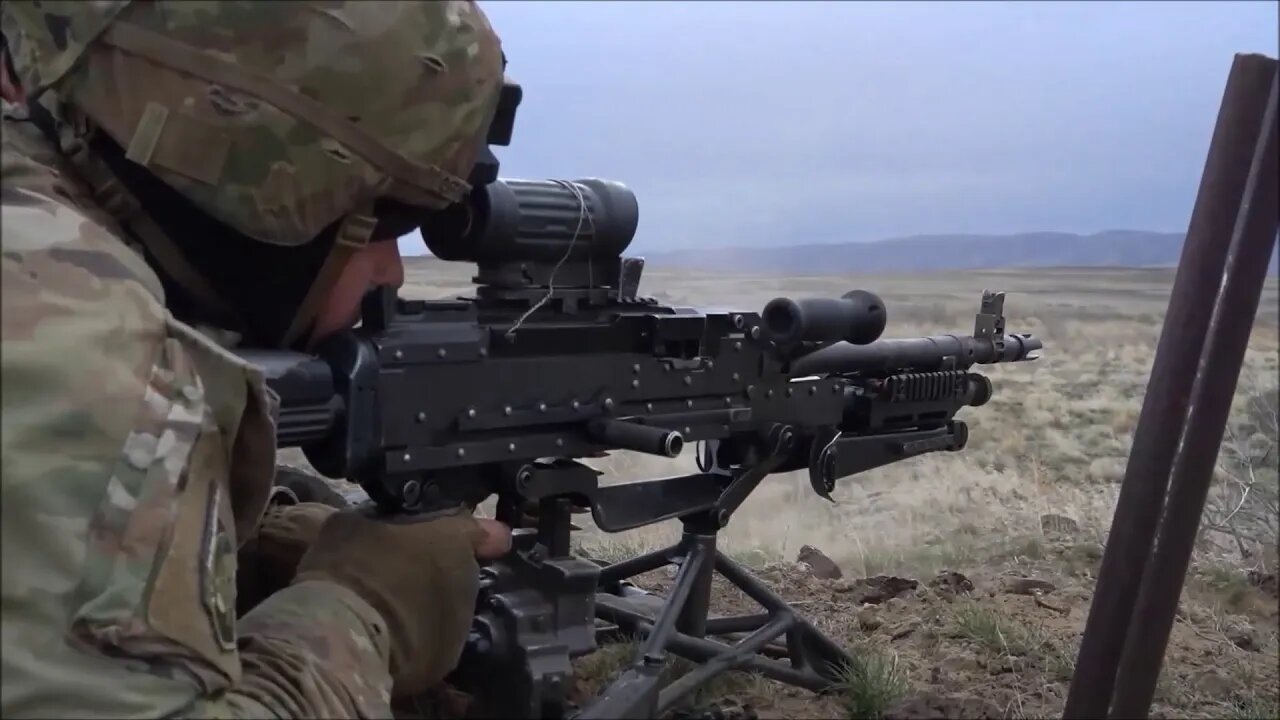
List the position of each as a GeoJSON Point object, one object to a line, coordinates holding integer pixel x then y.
{"type": "Point", "coordinates": [990, 642]}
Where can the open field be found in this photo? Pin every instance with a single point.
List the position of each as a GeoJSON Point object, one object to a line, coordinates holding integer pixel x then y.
{"type": "Point", "coordinates": [1053, 442]}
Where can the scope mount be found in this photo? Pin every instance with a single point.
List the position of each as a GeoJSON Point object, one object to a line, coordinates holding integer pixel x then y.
{"type": "Point", "coordinates": [569, 286]}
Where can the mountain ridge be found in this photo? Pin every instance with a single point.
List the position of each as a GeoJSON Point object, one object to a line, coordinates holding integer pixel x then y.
{"type": "Point", "coordinates": [955, 251]}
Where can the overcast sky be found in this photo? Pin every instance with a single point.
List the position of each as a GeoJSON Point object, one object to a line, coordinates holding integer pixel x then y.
{"type": "Point", "coordinates": [773, 123]}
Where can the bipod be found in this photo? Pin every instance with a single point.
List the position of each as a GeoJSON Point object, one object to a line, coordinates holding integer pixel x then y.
{"type": "Point", "coordinates": [682, 623]}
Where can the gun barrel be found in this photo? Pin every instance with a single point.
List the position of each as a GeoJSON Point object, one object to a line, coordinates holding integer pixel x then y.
{"type": "Point", "coordinates": [919, 354]}
{"type": "Point", "coordinates": [858, 317]}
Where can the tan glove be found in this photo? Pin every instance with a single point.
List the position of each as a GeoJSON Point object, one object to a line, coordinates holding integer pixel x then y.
{"type": "Point", "coordinates": [268, 561]}
{"type": "Point", "coordinates": [419, 572]}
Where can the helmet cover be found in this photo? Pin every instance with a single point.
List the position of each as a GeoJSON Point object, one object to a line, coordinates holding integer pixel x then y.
{"type": "Point", "coordinates": [276, 117]}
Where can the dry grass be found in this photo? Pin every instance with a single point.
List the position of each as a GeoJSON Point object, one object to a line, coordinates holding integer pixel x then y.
{"type": "Point", "coordinates": [1053, 440]}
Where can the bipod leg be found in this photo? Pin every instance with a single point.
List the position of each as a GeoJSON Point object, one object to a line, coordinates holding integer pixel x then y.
{"type": "Point", "coordinates": [809, 659]}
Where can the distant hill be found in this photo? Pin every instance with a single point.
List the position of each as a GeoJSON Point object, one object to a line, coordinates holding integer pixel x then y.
{"type": "Point", "coordinates": [1117, 248]}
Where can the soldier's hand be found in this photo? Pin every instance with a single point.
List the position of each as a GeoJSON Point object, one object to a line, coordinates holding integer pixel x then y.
{"type": "Point", "coordinates": [268, 561]}
{"type": "Point", "coordinates": [286, 531]}
{"type": "Point", "coordinates": [496, 540]}
{"type": "Point", "coordinates": [419, 572]}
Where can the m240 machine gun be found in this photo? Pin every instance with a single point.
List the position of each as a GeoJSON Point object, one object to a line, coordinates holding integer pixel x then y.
{"type": "Point", "coordinates": [557, 357]}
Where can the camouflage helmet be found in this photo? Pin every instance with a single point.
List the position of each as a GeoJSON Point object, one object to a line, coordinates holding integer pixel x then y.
{"type": "Point", "coordinates": [276, 117]}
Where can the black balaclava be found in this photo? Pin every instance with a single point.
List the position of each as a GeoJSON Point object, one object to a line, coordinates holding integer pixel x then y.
{"type": "Point", "coordinates": [262, 283]}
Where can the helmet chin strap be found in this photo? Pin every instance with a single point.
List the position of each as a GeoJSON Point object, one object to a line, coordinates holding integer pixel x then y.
{"type": "Point", "coordinates": [353, 235]}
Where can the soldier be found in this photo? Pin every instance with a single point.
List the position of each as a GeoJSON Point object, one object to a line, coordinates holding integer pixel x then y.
{"type": "Point", "coordinates": [178, 177]}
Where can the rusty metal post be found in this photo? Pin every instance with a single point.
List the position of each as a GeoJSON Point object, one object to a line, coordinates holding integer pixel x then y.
{"type": "Point", "coordinates": [1229, 331]}
{"type": "Point", "coordinates": [1164, 408]}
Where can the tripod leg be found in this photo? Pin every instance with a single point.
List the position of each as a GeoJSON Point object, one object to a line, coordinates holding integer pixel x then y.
{"type": "Point", "coordinates": [809, 647]}
{"type": "Point", "coordinates": [635, 693]}
{"type": "Point", "coordinates": [815, 661]}
{"type": "Point", "coordinates": [721, 662]}
{"type": "Point", "coordinates": [693, 616]}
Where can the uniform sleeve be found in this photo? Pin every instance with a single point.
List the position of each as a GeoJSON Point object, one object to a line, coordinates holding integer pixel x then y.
{"type": "Point", "coordinates": [314, 649]}
{"type": "Point", "coordinates": [134, 455]}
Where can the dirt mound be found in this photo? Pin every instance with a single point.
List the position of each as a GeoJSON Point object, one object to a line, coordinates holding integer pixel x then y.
{"type": "Point", "coordinates": [818, 564]}
{"type": "Point", "coordinates": [951, 583]}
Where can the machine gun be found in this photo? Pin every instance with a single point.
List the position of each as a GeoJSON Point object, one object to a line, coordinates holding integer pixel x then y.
{"type": "Point", "coordinates": [556, 358]}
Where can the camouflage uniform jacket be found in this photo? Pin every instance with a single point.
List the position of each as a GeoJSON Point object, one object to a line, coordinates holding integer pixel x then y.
{"type": "Point", "coordinates": [137, 455]}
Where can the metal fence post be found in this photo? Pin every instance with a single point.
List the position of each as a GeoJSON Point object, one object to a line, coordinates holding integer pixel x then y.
{"type": "Point", "coordinates": [1214, 221]}
{"type": "Point", "coordinates": [1229, 331]}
